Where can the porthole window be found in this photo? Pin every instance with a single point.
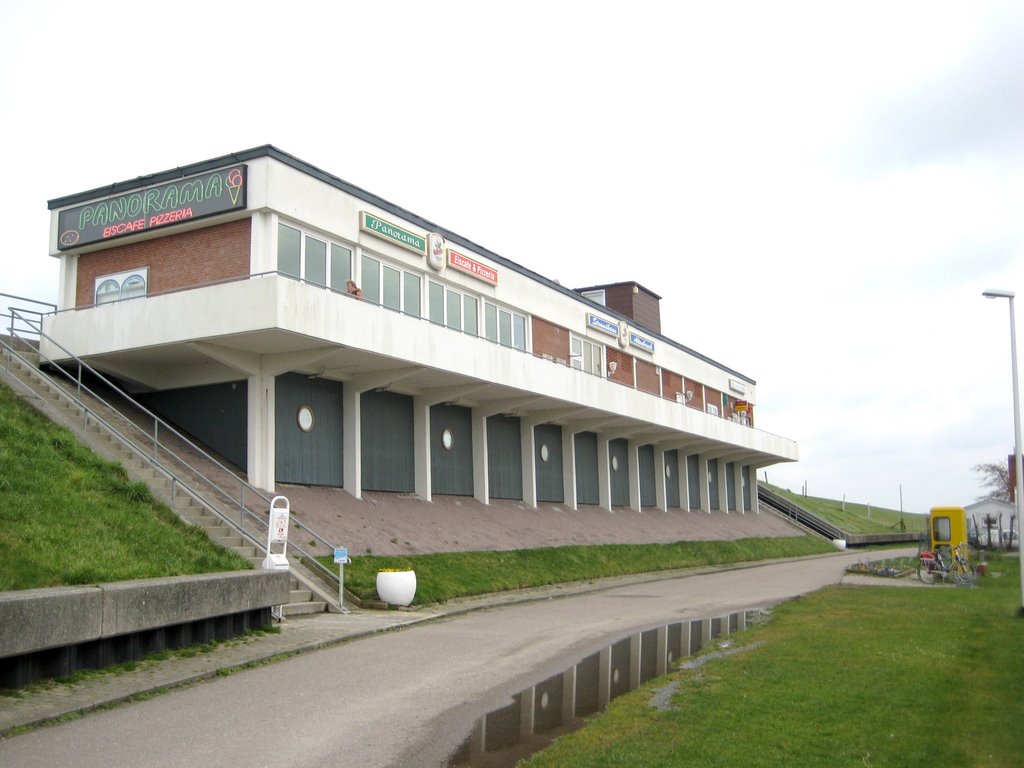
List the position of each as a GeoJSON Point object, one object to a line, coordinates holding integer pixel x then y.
{"type": "Point", "coordinates": [544, 452]}
{"type": "Point", "coordinates": [304, 417]}
{"type": "Point", "coordinates": [615, 463]}
{"type": "Point", "coordinates": [447, 439]}
{"type": "Point", "coordinates": [668, 470]}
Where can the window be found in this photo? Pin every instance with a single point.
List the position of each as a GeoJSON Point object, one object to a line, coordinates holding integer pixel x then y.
{"type": "Point", "coordinates": [392, 280]}
{"type": "Point", "coordinates": [454, 309]}
{"type": "Point", "coordinates": [412, 294]}
{"type": "Point", "coordinates": [586, 355]}
{"type": "Point", "coordinates": [312, 259]}
{"type": "Point", "coordinates": [389, 286]}
{"type": "Point", "coordinates": [371, 280]}
{"type": "Point", "coordinates": [712, 409]}
{"type": "Point", "coordinates": [504, 326]}
{"type": "Point", "coordinates": [595, 296]}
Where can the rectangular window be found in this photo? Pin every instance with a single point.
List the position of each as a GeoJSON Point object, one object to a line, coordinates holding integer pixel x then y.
{"type": "Point", "coordinates": [316, 261]}
{"type": "Point", "coordinates": [519, 332]}
{"type": "Point", "coordinates": [289, 251]}
{"type": "Point", "coordinates": [504, 328]}
{"type": "Point", "coordinates": [412, 294]}
{"type": "Point", "coordinates": [470, 315]}
{"type": "Point", "coordinates": [341, 266]}
{"type": "Point", "coordinates": [586, 355]}
{"type": "Point", "coordinates": [436, 299]}
{"type": "Point", "coordinates": [454, 317]}
{"type": "Point", "coordinates": [371, 280]}
{"type": "Point", "coordinates": [392, 288]}
{"type": "Point", "coordinates": [491, 322]}
{"type": "Point", "coordinates": [712, 409]}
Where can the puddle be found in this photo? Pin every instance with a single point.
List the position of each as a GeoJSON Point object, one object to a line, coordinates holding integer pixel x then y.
{"type": "Point", "coordinates": [536, 716]}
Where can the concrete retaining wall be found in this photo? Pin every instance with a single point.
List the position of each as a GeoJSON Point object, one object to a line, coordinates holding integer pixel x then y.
{"type": "Point", "coordinates": [38, 619]}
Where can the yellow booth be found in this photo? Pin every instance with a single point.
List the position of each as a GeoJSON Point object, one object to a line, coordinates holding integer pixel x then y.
{"type": "Point", "coordinates": [948, 527]}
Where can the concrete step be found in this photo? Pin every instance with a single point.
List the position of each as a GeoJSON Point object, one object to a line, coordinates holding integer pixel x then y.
{"type": "Point", "coordinates": [303, 609]}
{"type": "Point", "coordinates": [300, 596]}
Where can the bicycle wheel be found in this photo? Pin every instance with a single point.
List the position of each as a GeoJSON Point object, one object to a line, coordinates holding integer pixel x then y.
{"type": "Point", "coordinates": [928, 574]}
{"type": "Point", "coordinates": [964, 574]}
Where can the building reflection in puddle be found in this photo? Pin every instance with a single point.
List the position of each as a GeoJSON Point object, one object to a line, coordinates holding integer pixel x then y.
{"type": "Point", "coordinates": [556, 706]}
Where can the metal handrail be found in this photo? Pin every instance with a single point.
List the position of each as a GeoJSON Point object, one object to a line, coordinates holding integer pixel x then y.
{"type": "Point", "coordinates": [20, 322]}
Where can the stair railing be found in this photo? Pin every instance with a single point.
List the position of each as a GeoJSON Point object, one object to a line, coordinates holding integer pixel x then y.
{"type": "Point", "coordinates": [25, 326]}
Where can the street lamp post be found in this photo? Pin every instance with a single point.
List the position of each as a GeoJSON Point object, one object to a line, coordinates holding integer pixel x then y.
{"type": "Point", "coordinates": [1019, 498]}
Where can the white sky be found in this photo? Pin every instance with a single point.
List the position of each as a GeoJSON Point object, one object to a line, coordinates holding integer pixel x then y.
{"type": "Point", "coordinates": [819, 191]}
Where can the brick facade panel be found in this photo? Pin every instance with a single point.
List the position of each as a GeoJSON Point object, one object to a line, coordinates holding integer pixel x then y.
{"type": "Point", "coordinates": [175, 261]}
{"type": "Point", "coordinates": [550, 339]}
{"type": "Point", "coordinates": [647, 379]}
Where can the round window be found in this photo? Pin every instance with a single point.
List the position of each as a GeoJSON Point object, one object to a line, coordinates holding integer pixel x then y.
{"type": "Point", "coordinates": [447, 439]}
{"type": "Point", "coordinates": [544, 452]}
{"type": "Point", "coordinates": [615, 463]}
{"type": "Point", "coordinates": [305, 418]}
{"type": "Point", "coordinates": [668, 470]}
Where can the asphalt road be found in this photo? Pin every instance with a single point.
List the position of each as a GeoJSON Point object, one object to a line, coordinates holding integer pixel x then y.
{"type": "Point", "coordinates": [402, 698]}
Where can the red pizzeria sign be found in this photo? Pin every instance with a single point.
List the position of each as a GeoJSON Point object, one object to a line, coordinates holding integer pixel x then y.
{"type": "Point", "coordinates": [471, 267]}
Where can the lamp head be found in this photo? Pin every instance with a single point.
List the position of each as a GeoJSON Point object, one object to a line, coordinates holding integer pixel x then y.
{"type": "Point", "coordinates": [996, 293]}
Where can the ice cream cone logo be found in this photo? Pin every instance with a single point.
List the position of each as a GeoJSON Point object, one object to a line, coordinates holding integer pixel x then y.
{"type": "Point", "coordinates": [235, 182]}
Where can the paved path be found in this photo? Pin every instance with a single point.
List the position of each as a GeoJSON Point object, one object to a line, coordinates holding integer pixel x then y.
{"type": "Point", "coordinates": [371, 697]}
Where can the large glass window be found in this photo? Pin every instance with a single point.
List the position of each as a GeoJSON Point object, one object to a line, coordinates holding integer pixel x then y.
{"type": "Point", "coordinates": [412, 294]}
{"type": "Point", "coordinates": [316, 261]}
{"type": "Point", "coordinates": [454, 316]}
{"type": "Point", "coordinates": [437, 303]}
{"type": "Point", "coordinates": [371, 280]}
{"type": "Point", "coordinates": [470, 318]}
{"type": "Point", "coordinates": [289, 251]}
{"type": "Point", "coordinates": [504, 326]}
{"type": "Point", "coordinates": [312, 259]}
{"type": "Point", "coordinates": [454, 309]}
{"type": "Point", "coordinates": [586, 355]}
{"type": "Point", "coordinates": [392, 279]}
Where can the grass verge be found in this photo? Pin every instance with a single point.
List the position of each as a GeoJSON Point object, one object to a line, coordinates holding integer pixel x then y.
{"type": "Point", "coordinates": [68, 517]}
{"type": "Point", "coordinates": [446, 576]}
{"type": "Point", "coordinates": [848, 676]}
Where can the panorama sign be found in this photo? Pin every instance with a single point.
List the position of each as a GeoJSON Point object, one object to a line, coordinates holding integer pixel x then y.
{"type": "Point", "coordinates": [153, 207]}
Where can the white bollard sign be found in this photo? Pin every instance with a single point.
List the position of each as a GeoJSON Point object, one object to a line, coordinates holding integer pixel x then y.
{"type": "Point", "coordinates": [277, 535]}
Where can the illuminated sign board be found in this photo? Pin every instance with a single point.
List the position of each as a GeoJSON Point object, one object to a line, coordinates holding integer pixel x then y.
{"type": "Point", "coordinates": [153, 207]}
{"type": "Point", "coordinates": [472, 267]}
{"type": "Point", "coordinates": [600, 324]}
{"type": "Point", "coordinates": [639, 341]}
{"type": "Point", "coordinates": [385, 229]}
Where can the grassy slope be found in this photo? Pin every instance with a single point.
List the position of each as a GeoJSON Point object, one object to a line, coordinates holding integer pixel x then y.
{"type": "Point", "coordinates": [855, 517]}
{"type": "Point", "coordinates": [68, 517]}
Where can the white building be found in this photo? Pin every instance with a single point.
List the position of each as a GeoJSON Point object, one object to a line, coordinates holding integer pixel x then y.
{"type": "Point", "coordinates": [217, 294]}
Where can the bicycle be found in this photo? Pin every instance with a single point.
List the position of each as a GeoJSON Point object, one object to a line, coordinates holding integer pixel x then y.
{"type": "Point", "coordinates": [934, 567]}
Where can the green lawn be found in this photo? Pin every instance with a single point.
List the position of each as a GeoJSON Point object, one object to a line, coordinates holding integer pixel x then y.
{"type": "Point", "coordinates": [68, 517]}
{"type": "Point", "coordinates": [445, 576]}
{"type": "Point", "coordinates": [856, 518]}
{"type": "Point", "coordinates": [848, 676]}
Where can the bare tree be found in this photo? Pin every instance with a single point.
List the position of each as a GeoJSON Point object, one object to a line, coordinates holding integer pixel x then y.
{"type": "Point", "coordinates": [996, 478]}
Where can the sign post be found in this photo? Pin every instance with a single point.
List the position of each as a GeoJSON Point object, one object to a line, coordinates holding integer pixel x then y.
{"type": "Point", "coordinates": [342, 559]}
{"type": "Point", "coordinates": [277, 534]}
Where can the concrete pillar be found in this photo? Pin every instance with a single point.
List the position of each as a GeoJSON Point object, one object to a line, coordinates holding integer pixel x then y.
{"type": "Point", "coordinates": [569, 695]}
{"type": "Point", "coordinates": [527, 703]}
{"type": "Point", "coordinates": [660, 480]}
{"type": "Point", "coordinates": [723, 487]}
{"type": "Point", "coordinates": [569, 468]}
{"type": "Point", "coordinates": [661, 667]}
{"type": "Point", "coordinates": [737, 478]}
{"type": "Point", "coordinates": [684, 480]}
{"type": "Point", "coordinates": [633, 469]}
{"type": "Point", "coordinates": [481, 491]}
{"type": "Point", "coordinates": [604, 678]}
{"type": "Point", "coordinates": [421, 447]}
{"type": "Point", "coordinates": [635, 646]}
{"type": "Point", "coordinates": [528, 441]}
{"type": "Point", "coordinates": [604, 478]}
{"type": "Point", "coordinates": [352, 441]}
{"type": "Point", "coordinates": [260, 447]}
{"type": "Point", "coordinates": [702, 483]}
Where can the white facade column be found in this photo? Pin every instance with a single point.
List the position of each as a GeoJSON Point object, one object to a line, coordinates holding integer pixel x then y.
{"type": "Point", "coordinates": [737, 479]}
{"type": "Point", "coordinates": [569, 468]}
{"type": "Point", "coordinates": [481, 489]}
{"type": "Point", "coordinates": [421, 447]}
{"type": "Point", "coordinates": [528, 444]}
{"type": "Point", "coordinates": [633, 469]}
{"type": "Point", "coordinates": [684, 478]}
{"type": "Point", "coordinates": [723, 487]}
{"type": "Point", "coordinates": [660, 480]}
{"type": "Point", "coordinates": [352, 440]}
{"type": "Point", "coordinates": [67, 284]}
{"type": "Point", "coordinates": [604, 475]}
{"type": "Point", "coordinates": [702, 484]}
{"type": "Point", "coordinates": [261, 432]}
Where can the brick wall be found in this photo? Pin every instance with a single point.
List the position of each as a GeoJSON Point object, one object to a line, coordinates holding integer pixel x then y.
{"type": "Point", "coordinates": [670, 384]}
{"type": "Point", "coordinates": [550, 339]}
{"type": "Point", "coordinates": [697, 401]}
{"type": "Point", "coordinates": [175, 261]}
{"type": "Point", "coordinates": [647, 378]}
{"type": "Point", "coordinates": [623, 366]}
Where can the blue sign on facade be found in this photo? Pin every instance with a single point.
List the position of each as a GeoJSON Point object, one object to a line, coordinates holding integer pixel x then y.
{"type": "Point", "coordinates": [640, 341]}
{"type": "Point", "coordinates": [600, 324]}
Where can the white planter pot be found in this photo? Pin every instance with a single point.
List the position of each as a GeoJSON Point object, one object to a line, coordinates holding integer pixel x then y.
{"type": "Point", "coordinates": [396, 587]}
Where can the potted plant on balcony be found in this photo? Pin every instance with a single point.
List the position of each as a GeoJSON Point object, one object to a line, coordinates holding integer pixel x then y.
{"type": "Point", "coordinates": [396, 586]}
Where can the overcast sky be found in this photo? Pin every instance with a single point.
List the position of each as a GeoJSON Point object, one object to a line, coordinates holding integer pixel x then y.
{"type": "Point", "coordinates": [819, 191]}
